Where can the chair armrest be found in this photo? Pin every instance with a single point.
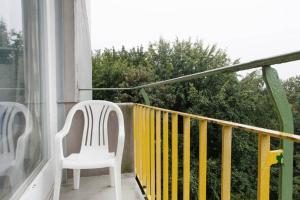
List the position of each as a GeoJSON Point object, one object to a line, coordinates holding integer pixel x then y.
{"type": "Point", "coordinates": [120, 146]}
{"type": "Point", "coordinates": [59, 145]}
{"type": "Point", "coordinates": [62, 133]}
{"type": "Point", "coordinates": [20, 149]}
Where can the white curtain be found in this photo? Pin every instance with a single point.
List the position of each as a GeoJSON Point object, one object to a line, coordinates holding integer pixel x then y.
{"type": "Point", "coordinates": [83, 53]}
{"type": "Point", "coordinates": [22, 136]}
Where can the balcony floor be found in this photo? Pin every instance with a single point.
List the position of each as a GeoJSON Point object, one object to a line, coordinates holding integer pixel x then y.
{"type": "Point", "coordinates": [97, 187]}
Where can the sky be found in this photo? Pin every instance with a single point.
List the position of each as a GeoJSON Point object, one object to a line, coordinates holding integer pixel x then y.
{"type": "Point", "coordinates": [247, 30]}
{"type": "Point", "coordinates": [10, 13]}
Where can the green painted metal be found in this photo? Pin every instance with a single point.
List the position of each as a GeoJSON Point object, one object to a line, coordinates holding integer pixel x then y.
{"type": "Point", "coordinates": [104, 89]}
{"type": "Point", "coordinates": [289, 57]}
{"type": "Point", "coordinates": [279, 159]}
{"type": "Point", "coordinates": [239, 67]}
{"type": "Point", "coordinates": [145, 96]}
{"type": "Point", "coordinates": [285, 117]}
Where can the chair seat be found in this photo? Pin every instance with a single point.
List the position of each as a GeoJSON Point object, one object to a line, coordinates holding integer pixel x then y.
{"type": "Point", "coordinates": [89, 159]}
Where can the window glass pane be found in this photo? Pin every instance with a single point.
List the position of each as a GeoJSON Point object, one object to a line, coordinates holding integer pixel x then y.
{"type": "Point", "coordinates": [23, 144]}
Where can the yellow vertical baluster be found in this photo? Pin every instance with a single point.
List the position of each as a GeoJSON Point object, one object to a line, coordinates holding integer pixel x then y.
{"type": "Point", "coordinates": [202, 159]}
{"type": "Point", "coordinates": [174, 156]}
{"type": "Point", "coordinates": [263, 167]}
{"type": "Point", "coordinates": [165, 156]}
{"type": "Point", "coordinates": [141, 145]}
{"type": "Point", "coordinates": [266, 159]}
{"type": "Point", "coordinates": [226, 162]}
{"type": "Point", "coordinates": [186, 158]}
{"type": "Point", "coordinates": [145, 148]}
{"type": "Point", "coordinates": [158, 154]}
{"type": "Point", "coordinates": [147, 138]}
{"type": "Point", "coordinates": [152, 154]}
{"type": "Point", "coordinates": [144, 174]}
{"type": "Point", "coordinates": [138, 159]}
{"type": "Point", "coordinates": [134, 137]}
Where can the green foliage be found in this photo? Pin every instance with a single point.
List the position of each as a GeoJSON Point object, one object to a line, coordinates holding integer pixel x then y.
{"type": "Point", "coordinates": [4, 37]}
{"type": "Point", "coordinates": [221, 96]}
{"type": "Point", "coordinates": [9, 40]}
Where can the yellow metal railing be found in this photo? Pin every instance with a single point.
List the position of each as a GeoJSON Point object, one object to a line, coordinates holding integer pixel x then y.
{"type": "Point", "coordinates": [151, 131]}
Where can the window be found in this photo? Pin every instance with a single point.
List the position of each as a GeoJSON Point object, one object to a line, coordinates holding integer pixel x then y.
{"type": "Point", "coordinates": [23, 138]}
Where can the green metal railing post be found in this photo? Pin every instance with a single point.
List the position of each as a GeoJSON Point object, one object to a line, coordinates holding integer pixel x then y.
{"type": "Point", "coordinates": [285, 117]}
{"type": "Point", "coordinates": [145, 96]}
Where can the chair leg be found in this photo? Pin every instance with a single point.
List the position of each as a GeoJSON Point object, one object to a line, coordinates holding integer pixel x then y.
{"type": "Point", "coordinates": [57, 183]}
{"type": "Point", "coordinates": [117, 178]}
{"type": "Point", "coordinates": [76, 178]}
{"type": "Point", "coordinates": [112, 176]}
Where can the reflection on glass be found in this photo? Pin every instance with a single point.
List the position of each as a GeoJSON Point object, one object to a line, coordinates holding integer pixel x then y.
{"type": "Point", "coordinates": [22, 146]}
{"type": "Point", "coordinates": [15, 125]}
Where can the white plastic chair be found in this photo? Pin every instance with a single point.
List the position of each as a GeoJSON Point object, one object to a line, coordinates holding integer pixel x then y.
{"type": "Point", "coordinates": [11, 156]}
{"type": "Point", "coordinates": [94, 152]}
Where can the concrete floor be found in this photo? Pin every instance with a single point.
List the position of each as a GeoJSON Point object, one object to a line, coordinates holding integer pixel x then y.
{"type": "Point", "coordinates": [97, 187]}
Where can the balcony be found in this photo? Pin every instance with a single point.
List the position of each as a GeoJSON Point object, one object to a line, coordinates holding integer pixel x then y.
{"type": "Point", "coordinates": [159, 146]}
{"type": "Point", "coordinates": [156, 160]}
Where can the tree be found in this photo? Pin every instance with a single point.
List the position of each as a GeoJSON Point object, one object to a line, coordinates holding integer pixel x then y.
{"type": "Point", "coordinates": [4, 37]}
{"type": "Point", "coordinates": [11, 43]}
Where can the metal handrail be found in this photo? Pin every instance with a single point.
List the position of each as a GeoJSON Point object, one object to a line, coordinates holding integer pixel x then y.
{"type": "Point", "coordinates": [279, 59]}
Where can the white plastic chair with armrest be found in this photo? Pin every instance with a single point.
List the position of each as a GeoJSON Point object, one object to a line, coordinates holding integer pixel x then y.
{"type": "Point", "coordinates": [94, 152]}
{"type": "Point", "coordinates": [12, 156]}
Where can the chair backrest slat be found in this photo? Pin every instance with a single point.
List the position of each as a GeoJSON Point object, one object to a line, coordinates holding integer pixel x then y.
{"type": "Point", "coordinates": [9, 131]}
{"type": "Point", "coordinates": [6, 133]}
{"type": "Point", "coordinates": [85, 125]}
{"type": "Point", "coordinates": [105, 138]}
{"type": "Point", "coordinates": [100, 125]}
{"type": "Point", "coordinates": [90, 125]}
{"type": "Point", "coordinates": [103, 126]}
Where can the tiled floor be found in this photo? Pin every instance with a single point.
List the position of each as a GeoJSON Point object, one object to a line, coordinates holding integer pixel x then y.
{"type": "Point", "coordinates": [97, 188]}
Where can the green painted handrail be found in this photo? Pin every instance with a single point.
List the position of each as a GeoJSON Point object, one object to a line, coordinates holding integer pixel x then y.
{"type": "Point", "coordinates": [289, 57]}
